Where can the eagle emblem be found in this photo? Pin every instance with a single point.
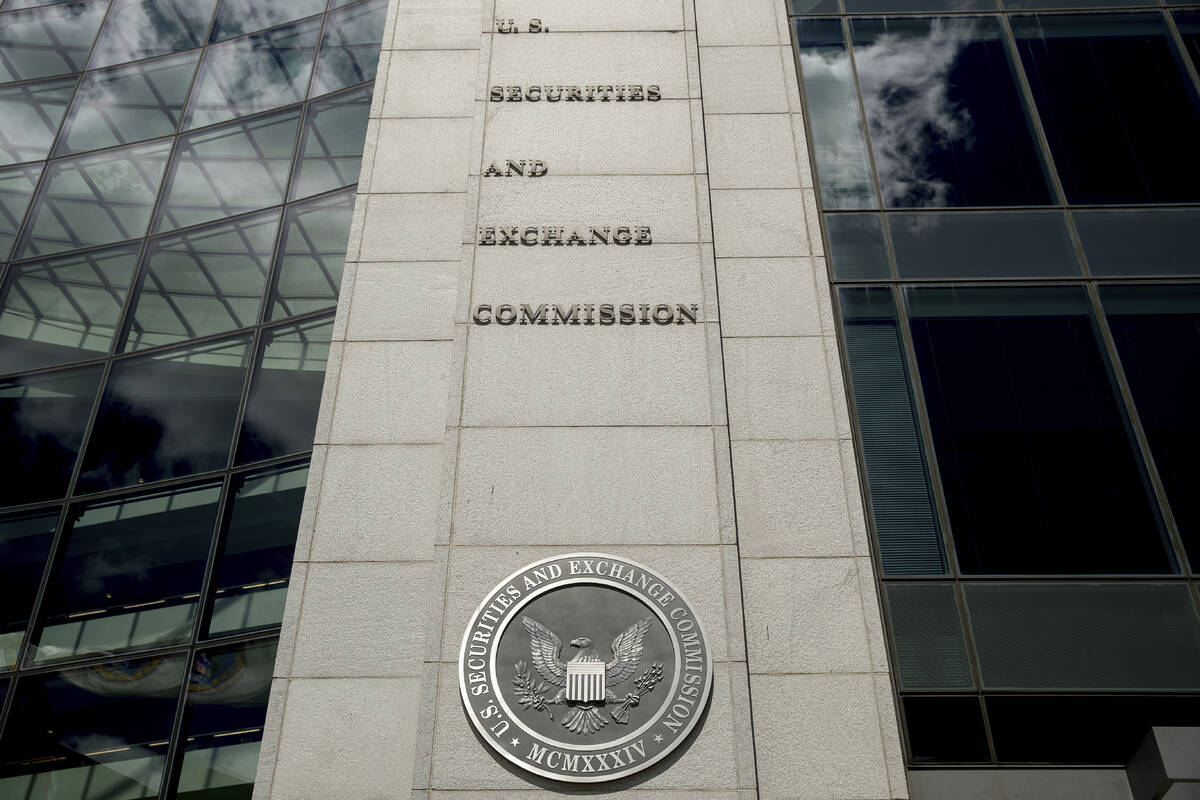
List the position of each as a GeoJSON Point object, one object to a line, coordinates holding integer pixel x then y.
{"type": "Point", "coordinates": [584, 683]}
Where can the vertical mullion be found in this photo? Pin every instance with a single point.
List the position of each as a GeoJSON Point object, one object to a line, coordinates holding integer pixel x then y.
{"type": "Point", "coordinates": [1175, 37]}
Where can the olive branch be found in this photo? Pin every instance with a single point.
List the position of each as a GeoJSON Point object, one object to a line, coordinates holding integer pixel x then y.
{"type": "Point", "coordinates": [530, 694]}
{"type": "Point", "coordinates": [643, 685]}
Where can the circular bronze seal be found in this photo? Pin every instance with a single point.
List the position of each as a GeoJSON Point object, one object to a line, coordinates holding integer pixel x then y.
{"type": "Point", "coordinates": [584, 667]}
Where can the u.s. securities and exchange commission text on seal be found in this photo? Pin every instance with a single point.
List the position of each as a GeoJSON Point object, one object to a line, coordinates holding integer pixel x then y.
{"type": "Point", "coordinates": [585, 667]}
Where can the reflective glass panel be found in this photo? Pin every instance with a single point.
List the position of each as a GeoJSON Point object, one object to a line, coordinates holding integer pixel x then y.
{"type": "Point", "coordinates": [901, 501]}
{"type": "Point", "coordinates": [281, 413]}
{"type": "Point", "coordinates": [1037, 465]}
{"type": "Point", "coordinates": [31, 113]}
{"type": "Point", "coordinates": [843, 169]}
{"type": "Point", "coordinates": [948, 125]}
{"type": "Point", "coordinates": [226, 704]}
{"type": "Point", "coordinates": [1188, 23]}
{"type": "Point", "coordinates": [1159, 241]}
{"type": "Point", "coordinates": [48, 41]}
{"type": "Point", "coordinates": [254, 73]}
{"type": "Point", "coordinates": [245, 16]}
{"type": "Point", "coordinates": [93, 733]}
{"type": "Point", "coordinates": [813, 7]}
{"type": "Point", "coordinates": [203, 282]}
{"type": "Point", "coordinates": [139, 29]}
{"type": "Point", "coordinates": [331, 150]}
{"type": "Point", "coordinates": [250, 578]}
{"type": "Point", "coordinates": [856, 246]}
{"type": "Point", "coordinates": [897, 6]}
{"type": "Point", "coordinates": [312, 255]}
{"type": "Point", "coordinates": [1018, 5]}
{"type": "Point", "coordinates": [24, 544]}
{"type": "Point", "coordinates": [129, 574]}
{"type": "Point", "coordinates": [167, 415]}
{"type": "Point", "coordinates": [1084, 635]}
{"type": "Point", "coordinates": [1120, 112]}
{"type": "Point", "coordinates": [63, 309]}
{"type": "Point", "coordinates": [229, 170]}
{"type": "Point", "coordinates": [16, 187]}
{"type": "Point", "coordinates": [1157, 333]}
{"type": "Point", "coordinates": [1011, 244]}
{"type": "Point", "coordinates": [350, 47]}
{"type": "Point", "coordinates": [95, 199]}
{"type": "Point", "coordinates": [128, 104]}
{"type": "Point", "coordinates": [927, 636]}
{"type": "Point", "coordinates": [42, 420]}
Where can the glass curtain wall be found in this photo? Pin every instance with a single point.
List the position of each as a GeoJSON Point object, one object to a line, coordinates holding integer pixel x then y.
{"type": "Point", "coordinates": [1010, 198]}
{"type": "Point", "coordinates": [176, 185]}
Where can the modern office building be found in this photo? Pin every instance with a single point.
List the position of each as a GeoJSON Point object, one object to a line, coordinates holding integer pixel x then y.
{"type": "Point", "coordinates": [872, 327]}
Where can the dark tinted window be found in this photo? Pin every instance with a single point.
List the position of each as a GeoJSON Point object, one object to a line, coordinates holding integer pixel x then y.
{"type": "Point", "coordinates": [945, 729]}
{"type": "Point", "coordinates": [1152, 241]}
{"type": "Point", "coordinates": [24, 544]}
{"type": "Point", "coordinates": [1119, 110]}
{"type": "Point", "coordinates": [1189, 28]}
{"type": "Point", "coordinates": [250, 579]}
{"type": "Point", "coordinates": [281, 413]}
{"type": "Point", "coordinates": [948, 124]}
{"type": "Point", "coordinates": [1157, 333]}
{"type": "Point", "coordinates": [856, 246]}
{"type": "Point", "coordinates": [167, 415]}
{"type": "Point", "coordinates": [104, 726]}
{"type": "Point", "coordinates": [1010, 244]}
{"type": "Point", "coordinates": [1084, 730]}
{"type": "Point", "coordinates": [42, 420]}
{"type": "Point", "coordinates": [1037, 466]}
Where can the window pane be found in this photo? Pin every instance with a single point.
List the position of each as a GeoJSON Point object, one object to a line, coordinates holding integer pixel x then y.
{"type": "Point", "coordinates": [63, 309]}
{"type": "Point", "coordinates": [1037, 465]}
{"type": "Point", "coordinates": [1119, 111]}
{"type": "Point", "coordinates": [945, 729]}
{"type": "Point", "coordinates": [42, 419]}
{"type": "Point", "coordinates": [1157, 333]}
{"type": "Point", "coordinates": [1085, 635]}
{"type": "Point", "coordinates": [129, 574]}
{"type": "Point", "coordinates": [254, 73]}
{"type": "Point", "coordinates": [896, 6]}
{"type": "Point", "coordinates": [244, 16]}
{"type": "Point", "coordinates": [1085, 730]}
{"type": "Point", "coordinates": [312, 255]}
{"type": "Point", "coordinates": [31, 113]}
{"type": "Point", "coordinates": [1161, 241]}
{"type": "Point", "coordinates": [227, 698]}
{"type": "Point", "coordinates": [1008, 244]}
{"type": "Point", "coordinates": [813, 7]}
{"type": "Point", "coordinates": [350, 47]}
{"type": "Point", "coordinates": [24, 544]}
{"type": "Point", "coordinates": [167, 415]}
{"type": "Point", "coordinates": [128, 104]}
{"type": "Point", "coordinates": [856, 247]}
{"type": "Point", "coordinates": [230, 170]}
{"type": "Point", "coordinates": [250, 578]}
{"type": "Point", "coordinates": [1188, 23]}
{"type": "Point", "coordinates": [901, 500]}
{"type": "Point", "coordinates": [104, 727]}
{"type": "Point", "coordinates": [139, 29]}
{"type": "Point", "coordinates": [927, 630]}
{"type": "Point", "coordinates": [281, 413]}
{"type": "Point", "coordinates": [948, 124]}
{"type": "Point", "coordinates": [836, 125]}
{"type": "Point", "coordinates": [1036, 4]}
{"type": "Point", "coordinates": [16, 187]}
{"type": "Point", "coordinates": [95, 199]}
{"type": "Point", "coordinates": [48, 41]}
{"type": "Point", "coordinates": [203, 282]}
{"type": "Point", "coordinates": [331, 150]}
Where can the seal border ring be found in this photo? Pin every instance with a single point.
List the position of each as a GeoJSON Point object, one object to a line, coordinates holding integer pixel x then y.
{"type": "Point", "coordinates": [688, 727]}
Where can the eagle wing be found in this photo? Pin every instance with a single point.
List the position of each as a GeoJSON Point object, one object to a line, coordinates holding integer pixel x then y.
{"type": "Point", "coordinates": [627, 652]}
{"type": "Point", "coordinates": [544, 647]}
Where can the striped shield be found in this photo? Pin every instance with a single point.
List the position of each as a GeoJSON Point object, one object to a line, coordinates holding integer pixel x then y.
{"type": "Point", "coordinates": [585, 681]}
